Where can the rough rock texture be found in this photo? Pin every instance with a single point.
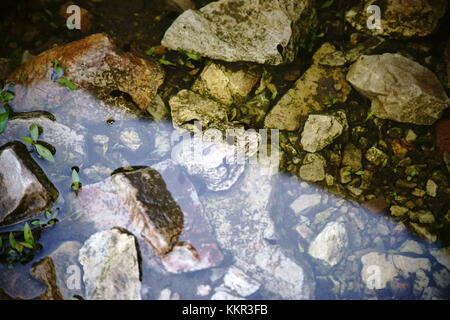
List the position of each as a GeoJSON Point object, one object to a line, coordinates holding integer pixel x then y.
{"type": "Point", "coordinates": [399, 88]}
{"type": "Point", "coordinates": [320, 131]}
{"type": "Point", "coordinates": [242, 222]}
{"type": "Point", "coordinates": [65, 259]}
{"type": "Point", "coordinates": [379, 268]}
{"type": "Point", "coordinates": [330, 244]}
{"type": "Point", "coordinates": [25, 189]}
{"type": "Point", "coordinates": [227, 85]}
{"type": "Point", "coordinates": [212, 162]}
{"type": "Point", "coordinates": [310, 93]}
{"type": "Point", "coordinates": [313, 168]}
{"type": "Point", "coordinates": [262, 31]}
{"type": "Point", "coordinates": [352, 157]}
{"type": "Point", "coordinates": [306, 203]}
{"type": "Point", "coordinates": [238, 281]}
{"type": "Point", "coordinates": [93, 63]}
{"type": "Point", "coordinates": [399, 18]}
{"type": "Point", "coordinates": [44, 270]}
{"type": "Point", "coordinates": [188, 107]}
{"type": "Point", "coordinates": [145, 192]}
{"type": "Point", "coordinates": [70, 145]}
{"type": "Point", "coordinates": [197, 248]}
{"type": "Point", "coordinates": [111, 270]}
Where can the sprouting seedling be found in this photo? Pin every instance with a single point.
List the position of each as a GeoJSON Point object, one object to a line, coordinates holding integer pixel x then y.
{"type": "Point", "coordinates": [17, 250]}
{"type": "Point", "coordinates": [51, 219]}
{"type": "Point", "coordinates": [40, 149]}
{"type": "Point", "coordinates": [57, 76]}
{"type": "Point", "coordinates": [76, 184]}
{"type": "Point", "coordinates": [370, 115]}
{"type": "Point", "coordinates": [5, 96]}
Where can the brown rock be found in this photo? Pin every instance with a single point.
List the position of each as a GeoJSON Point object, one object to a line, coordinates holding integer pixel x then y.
{"type": "Point", "coordinates": [44, 270]}
{"type": "Point", "coordinates": [93, 63]}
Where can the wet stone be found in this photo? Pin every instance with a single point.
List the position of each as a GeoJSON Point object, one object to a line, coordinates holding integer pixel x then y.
{"type": "Point", "coordinates": [320, 131]}
{"type": "Point", "coordinates": [432, 188]}
{"type": "Point", "coordinates": [330, 244]}
{"type": "Point", "coordinates": [26, 190]}
{"type": "Point", "coordinates": [398, 211]}
{"type": "Point", "coordinates": [44, 271]}
{"type": "Point", "coordinates": [306, 203]}
{"type": "Point", "coordinates": [111, 269]}
{"type": "Point", "coordinates": [352, 157]}
{"type": "Point", "coordinates": [375, 156]}
{"type": "Point", "coordinates": [238, 281]}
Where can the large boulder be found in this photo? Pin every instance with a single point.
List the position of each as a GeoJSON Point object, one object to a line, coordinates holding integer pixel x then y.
{"type": "Point", "coordinates": [26, 190]}
{"type": "Point", "coordinates": [266, 32]}
{"type": "Point", "coordinates": [399, 88]}
{"type": "Point", "coordinates": [314, 90]}
{"type": "Point", "coordinates": [110, 261]}
{"type": "Point", "coordinates": [399, 18]}
{"type": "Point", "coordinates": [93, 63]}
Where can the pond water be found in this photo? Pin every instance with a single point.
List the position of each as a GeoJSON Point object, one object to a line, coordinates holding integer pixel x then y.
{"type": "Point", "coordinates": [290, 239]}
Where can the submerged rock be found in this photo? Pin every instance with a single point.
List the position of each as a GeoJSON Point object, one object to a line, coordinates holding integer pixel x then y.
{"type": "Point", "coordinates": [26, 190]}
{"type": "Point", "coordinates": [330, 244]}
{"type": "Point", "coordinates": [214, 163]}
{"type": "Point", "coordinates": [188, 107]}
{"type": "Point", "coordinates": [242, 222]}
{"type": "Point", "coordinates": [93, 63]}
{"type": "Point", "coordinates": [111, 269]}
{"type": "Point", "coordinates": [399, 88]}
{"type": "Point", "coordinates": [44, 271]}
{"type": "Point", "coordinates": [265, 32]}
{"type": "Point", "coordinates": [238, 281]}
{"type": "Point", "coordinates": [312, 92]}
{"type": "Point", "coordinates": [70, 145]}
{"type": "Point", "coordinates": [379, 268]}
{"type": "Point", "coordinates": [182, 248]}
{"type": "Point", "coordinates": [399, 19]}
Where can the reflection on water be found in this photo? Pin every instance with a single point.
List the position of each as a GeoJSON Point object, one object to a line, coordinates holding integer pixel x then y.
{"type": "Point", "coordinates": [248, 230]}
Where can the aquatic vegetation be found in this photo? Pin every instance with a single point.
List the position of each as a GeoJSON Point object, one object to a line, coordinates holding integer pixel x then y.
{"type": "Point", "coordinates": [76, 184]}
{"type": "Point", "coordinates": [40, 149]}
{"type": "Point", "coordinates": [21, 251]}
{"type": "Point", "coordinates": [57, 74]}
{"type": "Point", "coordinates": [5, 96]}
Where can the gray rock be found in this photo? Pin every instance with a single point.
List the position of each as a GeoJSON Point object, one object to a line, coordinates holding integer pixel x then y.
{"type": "Point", "coordinates": [311, 93]}
{"type": "Point", "coordinates": [376, 156]}
{"type": "Point", "coordinates": [398, 211]}
{"type": "Point", "coordinates": [418, 18]}
{"type": "Point", "coordinates": [442, 256]}
{"type": "Point", "coordinates": [423, 232]}
{"type": "Point", "coordinates": [412, 246]}
{"type": "Point", "coordinates": [379, 268]}
{"type": "Point", "coordinates": [130, 138]}
{"type": "Point", "coordinates": [241, 219]}
{"type": "Point", "coordinates": [214, 163]}
{"type": "Point", "coordinates": [70, 145]}
{"type": "Point", "coordinates": [158, 109]}
{"type": "Point", "coordinates": [330, 244]}
{"type": "Point", "coordinates": [320, 131]}
{"type": "Point", "coordinates": [26, 190]}
{"type": "Point", "coordinates": [65, 259]}
{"type": "Point", "coordinates": [238, 281]}
{"type": "Point", "coordinates": [264, 32]}
{"type": "Point", "coordinates": [313, 168]}
{"type": "Point", "coordinates": [352, 157]}
{"type": "Point", "coordinates": [306, 203]}
{"type": "Point", "coordinates": [187, 107]}
{"type": "Point", "coordinates": [420, 283]}
{"type": "Point", "coordinates": [111, 269]}
{"type": "Point", "coordinates": [399, 88]}
{"type": "Point", "coordinates": [442, 278]}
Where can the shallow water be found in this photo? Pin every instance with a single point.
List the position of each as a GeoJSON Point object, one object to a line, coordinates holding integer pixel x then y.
{"type": "Point", "coordinates": [104, 151]}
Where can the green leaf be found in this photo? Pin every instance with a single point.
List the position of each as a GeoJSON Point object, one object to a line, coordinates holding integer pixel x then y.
{"type": "Point", "coordinates": [34, 132]}
{"type": "Point", "coordinates": [346, 173]}
{"type": "Point", "coordinates": [36, 222]}
{"type": "Point", "coordinates": [166, 62]}
{"type": "Point", "coordinates": [4, 116]}
{"type": "Point", "coordinates": [75, 177]}
{"type": "Point", "coordinates": [48, 215]}
{"type": "Point", "coordinates": [151, 51]}
{"type": "Point", "coordinates": [27, 140]}
{"type": "Point", "coordinates": [44, 152]}
{"type": "Point", "coordinates": [193, 56]}
{"type": "Point", "coordinates": [385, 161]}
{"type": "Point", "coordinates": [12, 241]}
{"type": "Point", "coordinates": [326, 4]}
{"type": "Point", "coordinates": [28, 235]}
{"type": "Point", "coordinates": [7, 96]}
{"type": "Point", "coordinates": [370, 114]}
{"type": "Point", "coordinates": [48, 12]}
{"type": "Point", "coordinates": [19, 247]}
{"type": "Point", "coordinates": [27, 245]}
{"type": "Point", "coordinates": [66, 83]}
{"type": "Point", "coordinates": [359, 173]}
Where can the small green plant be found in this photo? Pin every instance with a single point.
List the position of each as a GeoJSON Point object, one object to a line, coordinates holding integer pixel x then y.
{"type": "Point", "coordinates": [331, 101]}
{"type": "Point", "coordinates": [50, 219]}
{"type": "Point", "coordinates": [57, 76]}
{"type": "Point", "coordinates": [191, 56]}
{"type": "Point", "coordinates": [359, 173]}
{"type": "Point", "coordinates": [326, 4]}
{"type": "Point", "coordinates": [5, 96]}
{"type": "Point", "coordinates": [76, 184]}
{"type": "Point", "coordinates": [309, 45]}
{"type": "Point", "coordinates": [22, 251]}
{"type": "Point", "coordinates": [370, 114]}
{"type": "Point", "coordinates": [40, 149]}
{"type": "Point", "coordinates": [346, 173]}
